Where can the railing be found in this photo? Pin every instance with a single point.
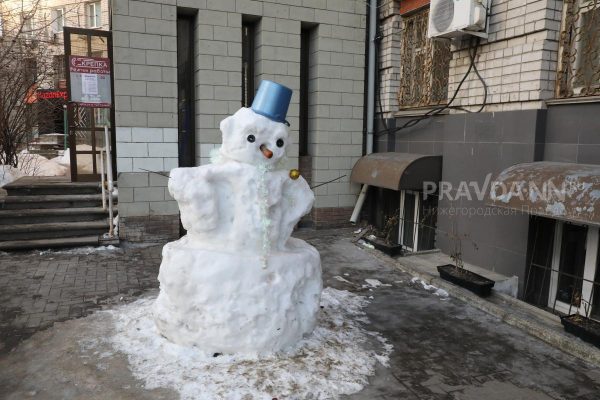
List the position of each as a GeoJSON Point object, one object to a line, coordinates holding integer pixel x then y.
{"type": "Point", "coordinates": [579, 52]}
{"type": "Point", "coordinates": [107, 183]}
{"type": "Point", "coordinates": [424, 65]}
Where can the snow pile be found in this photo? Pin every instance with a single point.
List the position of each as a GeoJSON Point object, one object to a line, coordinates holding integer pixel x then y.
{"type": "Point", "coordinates": [64, 159]}
{"type": "Point", "coordinates": [36, 165]}
{"type": "Point", "coordinates": [365, 244]}
{"type": "Point", "coordinates": [9, 174]}
{"type": "Point", "coordinates": [335, 359]}
{"type": "Point", "coordinates": [434, 289]}
{"type": "Point", "coordinates": [31, 165]}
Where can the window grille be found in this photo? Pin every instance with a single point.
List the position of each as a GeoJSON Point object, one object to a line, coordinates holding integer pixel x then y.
{"type": "Point", "coordinates": [579, 61]}
{"type": "Point", "coordinates": [424, 64]}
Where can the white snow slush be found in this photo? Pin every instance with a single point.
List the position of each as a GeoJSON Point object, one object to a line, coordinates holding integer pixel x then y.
{"type": "Point", "coordinates": [237, 282]}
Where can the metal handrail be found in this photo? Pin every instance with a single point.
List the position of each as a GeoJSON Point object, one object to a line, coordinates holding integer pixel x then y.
{"type": "Point", "coordinates": [109, 182]}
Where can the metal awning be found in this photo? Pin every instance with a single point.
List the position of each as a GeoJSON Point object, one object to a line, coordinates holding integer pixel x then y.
{"type": "Point", "coordinates": [397, 171]}
{"type": "Point", "coordinates": [550, 189]}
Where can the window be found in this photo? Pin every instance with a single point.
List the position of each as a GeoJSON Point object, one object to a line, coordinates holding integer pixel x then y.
{"type": "Point", "coordinates": [424, 64]}
{"type": "Point", "coordinates": [416, 228]}
{"type": "Point", "coordinates": [94, 15]}
{"type": "Point", "coordinates": [579, 62]}
{"type": "Point", "coordinates": [27, 28]}
{"type": "Point", "coordinates": [60, 75]}
{"type": "Point", "coordinates": [563, 267]}
{"type": "Point", "coordinates": [58, 20]}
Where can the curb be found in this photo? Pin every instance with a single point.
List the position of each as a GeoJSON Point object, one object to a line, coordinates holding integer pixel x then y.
{"type": "Point", "coordinates": [558, 339]}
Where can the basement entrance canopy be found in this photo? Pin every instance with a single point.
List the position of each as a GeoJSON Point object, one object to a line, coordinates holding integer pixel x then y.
{"type": "Point", "coordinates": [563, 191]}
{"type": "Point", "coordinates": [397, 171]}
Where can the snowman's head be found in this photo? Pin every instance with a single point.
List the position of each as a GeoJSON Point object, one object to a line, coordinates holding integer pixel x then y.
{"type": "Point", "coordinates": [251, 138]}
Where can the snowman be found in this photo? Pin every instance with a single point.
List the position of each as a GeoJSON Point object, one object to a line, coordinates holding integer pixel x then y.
{"type": "Point", "coordinates": [237, 282]}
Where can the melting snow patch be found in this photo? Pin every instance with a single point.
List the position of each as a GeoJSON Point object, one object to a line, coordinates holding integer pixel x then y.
{"type": "Point", "coordinates": [336, 359]}
{"type": "Point", "coordinates": [339, 278]}
{"type": "Point", "coordinates": [365, 244]}
{"type": "Point", "coordinates": [375, 283]}
{"type": "Point", "coordinates": [81, 250]}
{"type": "Point", "coordinates": [435, 290]}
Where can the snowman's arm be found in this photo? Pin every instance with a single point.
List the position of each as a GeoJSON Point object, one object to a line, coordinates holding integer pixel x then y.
{"type": "Point", "coordinates": [196, 196]}
{"type": "Point", "coordinates": [298, 199]}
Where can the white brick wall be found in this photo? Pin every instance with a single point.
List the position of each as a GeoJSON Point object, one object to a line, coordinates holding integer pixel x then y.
{"type": "Point", "coordinates": [145, 85]}
{"type": "Point", "coordinates": [518, 61]}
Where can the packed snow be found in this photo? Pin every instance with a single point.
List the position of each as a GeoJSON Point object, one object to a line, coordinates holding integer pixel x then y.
{"type": "Point", "coordinates": [237, 283]}
{"type": "Point", "coordinates": [336, 359]}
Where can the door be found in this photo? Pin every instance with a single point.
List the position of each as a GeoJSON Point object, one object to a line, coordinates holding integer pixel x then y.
{"type": "Point", "coordinates": [409, 214]}
{"type": "Point", "coordinates": [86, 124]}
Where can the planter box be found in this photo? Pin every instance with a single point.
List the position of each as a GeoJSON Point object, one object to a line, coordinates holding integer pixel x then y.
{"type": "Point", "coordinates": [381, 245]}
{"type": "Point", "coordinates": [584, 328]}
{"type": "Point", "coordinates": [477, 284]}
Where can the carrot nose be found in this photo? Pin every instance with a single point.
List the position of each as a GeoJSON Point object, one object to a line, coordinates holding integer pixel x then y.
{"type": "Point", "coordinates": [265, 150]}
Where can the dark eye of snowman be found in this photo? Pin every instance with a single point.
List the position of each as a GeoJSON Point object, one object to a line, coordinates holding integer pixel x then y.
{"type": "Point", "coordinates": [279, 143]}
{"type": "Point", "coordinates": [251, 138]}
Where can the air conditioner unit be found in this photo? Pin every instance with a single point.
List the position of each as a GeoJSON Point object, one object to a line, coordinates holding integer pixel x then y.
{"type": "Point", "coordinates": [456, 18]}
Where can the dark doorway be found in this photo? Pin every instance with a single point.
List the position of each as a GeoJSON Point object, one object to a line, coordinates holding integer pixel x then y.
{"type": "Point", "coordinates": [540, 246]}
{"type": "Point", "coordinates": [185, 89]}
{"type": "Point", "coordinates": [305, 60]}
{"type": "Point", "coordinates": [248, 45]}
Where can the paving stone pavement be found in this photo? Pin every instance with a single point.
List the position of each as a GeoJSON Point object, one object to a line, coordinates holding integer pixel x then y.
{"type": "Point", "coordinates": [39, 288]}
{"type": "Point", "coordinates": [443, 348]}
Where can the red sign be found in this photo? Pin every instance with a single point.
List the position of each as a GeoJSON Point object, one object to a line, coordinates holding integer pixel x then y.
{"type": "Point", "coordinates": [51, 94]}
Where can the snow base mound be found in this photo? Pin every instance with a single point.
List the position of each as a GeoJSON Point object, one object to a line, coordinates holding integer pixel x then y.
{"type": "Point", "coordinates": [335, 359]}
{"type": "Point", "coordinates": [231, 302]}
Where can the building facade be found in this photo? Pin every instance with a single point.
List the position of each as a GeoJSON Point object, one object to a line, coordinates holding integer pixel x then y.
{"type": "Point", "coordinates": [536, 101]}
{"type": "Point", "coordinates": [181, 66]}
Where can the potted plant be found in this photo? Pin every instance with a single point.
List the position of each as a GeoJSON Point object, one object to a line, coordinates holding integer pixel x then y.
{"type": "Point", "coordinates": [457, 274]}
{"type": "Point", "coordinates": [583, 326]}
{"type": "Point", "coordinates": [382, 240]}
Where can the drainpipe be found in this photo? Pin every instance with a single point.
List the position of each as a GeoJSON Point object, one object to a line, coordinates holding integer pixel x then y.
{"type": "Point", "coordinates": [370, 102]}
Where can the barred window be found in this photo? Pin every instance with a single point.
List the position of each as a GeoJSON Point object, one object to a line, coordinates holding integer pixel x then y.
{"type": "Point", "coordinates": [424, 64]}
{"type": "Point", "coordinates": [579, 66]}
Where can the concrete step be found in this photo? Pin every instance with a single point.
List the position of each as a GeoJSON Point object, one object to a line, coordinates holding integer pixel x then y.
{"type": "Point", "coordinates": [52, 201]}
{"type": "Point", "coordinates": [28, 188]}
{"type": "Point", "coordinates": [46, 215]}
{"type": "Point", "coordinates": [53, 230]}
{"type": "Point", "coordinates": [92, 240]}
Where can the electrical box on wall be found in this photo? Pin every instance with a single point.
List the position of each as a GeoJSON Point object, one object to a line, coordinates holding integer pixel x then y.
{"type": "Point", "coordinates": [457, 18]}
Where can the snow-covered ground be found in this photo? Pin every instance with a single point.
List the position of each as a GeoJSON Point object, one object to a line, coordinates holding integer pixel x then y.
{"type": "Point", "coordinates": [337, 358]}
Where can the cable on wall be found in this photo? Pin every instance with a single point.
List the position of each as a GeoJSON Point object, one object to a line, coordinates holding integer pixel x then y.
{"type": "Point", "coordinates": [474, 46]}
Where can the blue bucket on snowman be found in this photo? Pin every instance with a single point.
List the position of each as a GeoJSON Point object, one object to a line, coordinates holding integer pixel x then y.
{"type": "Point", "coordinates": [272, 100]}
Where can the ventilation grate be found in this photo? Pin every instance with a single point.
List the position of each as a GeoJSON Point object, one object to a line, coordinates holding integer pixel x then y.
{"type": "Point", "coordinates": [442, 15]}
